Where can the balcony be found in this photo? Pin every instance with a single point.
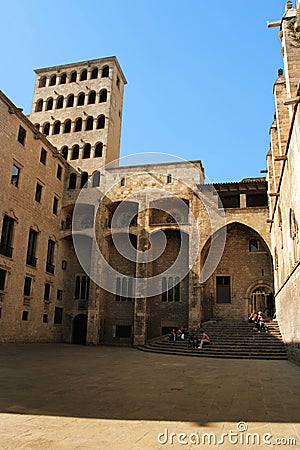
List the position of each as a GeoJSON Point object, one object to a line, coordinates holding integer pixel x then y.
{"type": "Point", "coordinates": [31, 260]}
{"type": "Point", "coordinates": [50, 268]}
{"type": "Point", "coordinates": [6, 250]}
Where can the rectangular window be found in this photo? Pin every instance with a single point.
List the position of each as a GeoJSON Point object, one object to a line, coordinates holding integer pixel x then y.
{"type": "Point", "coordinates": [45, 318]}
{"type": "Point", "coordinates": [50, 257]}
{"type": "Point", "coordinates": [2, 279]}
{"type": "Point", "coordinates": [55, 206]}
{"type": "Point", "coordinates": [21, 135]}
{"type": "Point", "coordinates": [59, 172]}
{"type": "Point", "coordinates": [58, 315]}
{"type": "Point", "coordinates": [15, 175]}
{"type": "Point", "coordinates": [7, 236]}
{"type": "Point", "coordinates": [47, 291]}
{"type": "Point", "coordinates": [43, 156]}
{"type": "Point", "coordinates": [27, 286]}
{"type": "Point", "coordinates": [38, 192]}
{"type": "Point", "coordinates": [31, 248]}
{"type": "Point", "coordinates": [223, 290]}
{"type": "Point", "coordinates": [59, 294]}
{"type": "Point", "coordinates": [25, 315]}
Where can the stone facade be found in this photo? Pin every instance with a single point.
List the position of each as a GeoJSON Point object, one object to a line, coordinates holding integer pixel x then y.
{"type": "Point", "coordinates": [76, 117]}
{"type": "Point", "coordinates": [284, 185]}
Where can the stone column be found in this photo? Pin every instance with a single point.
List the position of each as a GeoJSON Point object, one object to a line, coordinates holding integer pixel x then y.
{"type": "Point", "coordinates": [243, 201]}
{"type": "Point", "coordinates": [140, 305]}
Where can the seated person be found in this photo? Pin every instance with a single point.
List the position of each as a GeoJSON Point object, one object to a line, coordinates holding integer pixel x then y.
{"type": "Point", "coordinates": [193, 341]}
{"type": "Point", "coordinates": [173, 335]}
{"type": "Point", "coordinates": [253, 317]}
{"type": "Point", "coordinates": [205, 339]}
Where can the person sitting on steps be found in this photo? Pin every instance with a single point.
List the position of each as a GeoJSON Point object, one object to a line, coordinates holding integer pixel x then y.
{"type": "Point", "coordinates": [193, 341]}
{"type": "Point", "coordinates": [205, 339]}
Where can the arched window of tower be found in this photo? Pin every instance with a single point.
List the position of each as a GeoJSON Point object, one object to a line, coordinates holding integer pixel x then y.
{"type": "Point", "coordinates": [52, 80]}
{"type": "Point", "coordinates": [75, 152]}
{"type": "Point", "coordinates": [84, 179]}
{"type": "Point", "coordinates": [73, 77]}
{"type": "Point", "coordinates": [67, 126]}
{"type": "Point", "coordinates": [94, 73]}
{"type": "Point", "coordinates": [92, 98]}
{"type": "Point", "coordinates": [78, 124]}
{"type": "Point", "coordinates": [89, 123]}
{"type": "Point", "coordinates": [105, 72]}
{"type": "Point", "coordinates": [98, 150]}
{"type": "Point", "coordinates": [81, 98]}
{"type": "Point", "coordinates": [103, 96]}
{"type": "Point", "coordinates": [60, 102]}
{"type": "Point", "coordinates": [64, 152]}
{"type": "Point", "coordinates": [49, 104]}
{"type": "Point", "coordinates": [39, 105]}
{"type": "Point", "coordinates": [56, 128]}
{"type": "Point", "coordinates": [70, 101]}
{"type": "Point", "coordinates": [63, 78]}
{"type": "Point", "coordinates": [46, 128]}
{"type": "Point", "coordinates": [42, 82]}
{"type": "Point", "coordinates": [101, 122]}
{"type": "Point", "coordinates": [83, 75]}
{"type": "Point", "coordinates": [86, 151]}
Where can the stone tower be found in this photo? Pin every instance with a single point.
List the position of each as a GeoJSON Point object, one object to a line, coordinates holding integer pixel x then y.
{"type": "Point", "coordinates": [78, 107]}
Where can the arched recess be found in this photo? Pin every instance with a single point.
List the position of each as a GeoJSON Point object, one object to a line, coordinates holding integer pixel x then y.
{"type": "Point", "coordinates": [79, 329]}
{"type": "Point", "coordinates": [226, 294]}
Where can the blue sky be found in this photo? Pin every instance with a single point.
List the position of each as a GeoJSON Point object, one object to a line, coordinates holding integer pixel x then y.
{"type": "Point", "coordinates": [200, 73]}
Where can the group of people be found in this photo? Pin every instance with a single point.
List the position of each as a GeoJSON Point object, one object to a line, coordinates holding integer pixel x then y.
{"type": "Point", "coordinates": [193, 340]}
{"type": "Point", "coordinates": [259, 321]}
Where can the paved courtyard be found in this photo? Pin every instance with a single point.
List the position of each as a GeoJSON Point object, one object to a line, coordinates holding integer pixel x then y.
{"type": "Point", "coordinates": [76, 397]}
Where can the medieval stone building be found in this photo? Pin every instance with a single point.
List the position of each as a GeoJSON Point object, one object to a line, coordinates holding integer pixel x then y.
{"type": "Point", "coordinates": [97, 251]}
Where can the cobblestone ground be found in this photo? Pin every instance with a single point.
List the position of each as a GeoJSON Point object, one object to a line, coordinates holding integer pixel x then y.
{"type": "Point", "coordinates": [76, 397]}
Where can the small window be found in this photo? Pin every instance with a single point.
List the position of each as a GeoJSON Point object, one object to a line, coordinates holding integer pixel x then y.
{"type": "Point", "coordinates": [101, 122]}
{"type": "Point", "coordinates": [45, 318]}
{"type": "Point", "coordinates": [21, 135]}
{"type": "Point", "coordinates": [84, 179]}
{"type": "Point", "coordinates": [38, 192]}
{"type": "Point", "coordinates": [58, 315]}
{"type": "Point", "coordinates": [98, 150]}
{"type": "Point", "coordinates": [83, 75]}
{"type": "Point", "coordinates": [55, 206]}
{"type": "Point", "coordinates": [169, 179]}
{"type": "Point", "coordinates": [123, 181]}
{"type": "Point", "coordinates": [42, 82]}
{"type": "Point", "coordinates": [105, 72]}
{"type": "Point", "coordinates": [96, 179]}
{"type": "Point", "coordinates": [27, 286]}
{"type": "Point", "coordinates": [72, 181]}
{"type": "Point", "coordinates": [43, 156]}
{"type": "Point", "coordinates": [103, 96]}
{"type": "Point", "coordinates": [75, 152]}
{"type": "Point", "coordinates": [50, 257]}
{"type": "Point", "coordinates": [94, 73]}
{"type": "Point", "coordinates": [70, 101]}
{"type": "Point", "coordinates": [80, 100]}
{"type": "Point", "coordinates": [78, 124]}
{"type": "Point", "coordinates": [118, 82]}
{"type": "Point", "coordinates": [86, 151]}
{"type": "Point", "coordinates": [64, 264]}
{"type": "Point", "coordinates": [52, 80]}
{"type": "Point", "coordinates": [15, 175]}
{"type": "Point", "coordinates": [67, 126]}
{"type": "Point", "coordinates": [59, 294]}
{"type": "Point", "coordinates": [56, 129]}
{"type": "Point", "coordinates": [60, 102]}
{"type": "Point", "coordinates": [64, 152]}
{"type": "Point", "coordinates": [63, 78]}
{"type": "Point", "coordinates": [49, 104]}
{"type": "Point", "coordinates": [2, 279]}
{"type": "Point", "coordinates": [39, 106]}
{"type": "Point", "coordinates": [253, 245]}
{"type": "Point", "coordinates": [89, 123]}
{"type": "Point", "coordinates": [46, 129]}
{"type": "Point", "coordinates": [25, 315]}
{"type": "Point", "coordinates": [47, 291]}
{"type": "Point", "coordinates": [7, 236]}
{"type": "Point", "coordinates": [59, 172]}
{"type": "Point", "coordinates": [73, 77]}
{"type": "Point", "coordinates": [92, 98]}
{"type": "Point", "coordinates": [223, 289]}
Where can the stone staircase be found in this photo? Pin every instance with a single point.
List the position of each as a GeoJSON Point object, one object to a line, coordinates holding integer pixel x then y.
{"type": "Point", "coordinates": [228, 340]}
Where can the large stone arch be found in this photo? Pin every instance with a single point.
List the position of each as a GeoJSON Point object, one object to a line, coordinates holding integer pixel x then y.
{"type": "Point", "coordinates": [227, 293]}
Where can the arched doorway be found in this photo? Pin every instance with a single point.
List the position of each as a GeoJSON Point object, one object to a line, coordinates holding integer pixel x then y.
{"type": "Point", "coordinates": [79, 329]}
{"type": "Point", "coordinates": [262, 299]}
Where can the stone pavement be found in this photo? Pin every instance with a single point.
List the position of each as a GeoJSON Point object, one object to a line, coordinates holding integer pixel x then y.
{"type": "Point", "coordinates": [58, 396]}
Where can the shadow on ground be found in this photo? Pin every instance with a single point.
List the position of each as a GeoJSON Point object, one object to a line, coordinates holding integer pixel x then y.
{"type": "Point", "coordinates": [124, 383]}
